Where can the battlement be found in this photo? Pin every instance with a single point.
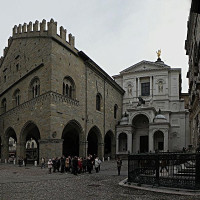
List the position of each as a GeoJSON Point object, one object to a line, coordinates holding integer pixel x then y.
{"type": "Point", "coordinates": [40, 29]}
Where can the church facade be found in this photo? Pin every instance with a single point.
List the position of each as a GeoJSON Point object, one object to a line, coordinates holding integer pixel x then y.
{"type": "Point", "coordinates": [154, 116]}
{"type": "Point", "coordinates": [56, 95]}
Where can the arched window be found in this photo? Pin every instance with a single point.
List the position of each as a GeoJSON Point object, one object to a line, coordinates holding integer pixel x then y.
{"type": "Point", "coordinates": [34, 88]}
{"type": "Point", "coordinates": [115, 111]}
{"type": "Point", "coordinates": [69, 87]}
{"type": "Point", "coordinates": [98, 102]}
{"type": "Point", "coordinates": [3, 105]}
{"type": "Point", "coordinates": [122, 142]}
{"type": "Point", "coordinates": [16, 98]}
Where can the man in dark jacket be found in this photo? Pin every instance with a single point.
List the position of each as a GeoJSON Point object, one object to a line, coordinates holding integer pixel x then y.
{"type": "Point", "coordinates": [75, 165]}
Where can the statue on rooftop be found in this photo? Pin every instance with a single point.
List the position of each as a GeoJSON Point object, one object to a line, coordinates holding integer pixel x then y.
{"type": "Point", "coordinates": [158, 53]}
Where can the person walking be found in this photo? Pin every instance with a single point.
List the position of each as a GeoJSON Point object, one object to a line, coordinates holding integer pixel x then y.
{"type": "Point", "coordinates": [96, 164]}
{"type": "Point", "coordinates": [25, 161]}
{"type": "Point", "coordinates": [50, 165]}
{"type": "Point", "coordinates": [119, 164]}
{"type": "Point", "coordinates": [42, 163]}
{"type": "Point", "coordinates": [67, 165]}
{"type": "Point", "coordinates": [89, 164]}
{"type": "Point", "coordinates": [62, 164]}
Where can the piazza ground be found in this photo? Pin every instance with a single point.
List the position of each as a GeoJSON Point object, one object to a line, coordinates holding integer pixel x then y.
{"type": "Point", "coordinates": [34, 183]}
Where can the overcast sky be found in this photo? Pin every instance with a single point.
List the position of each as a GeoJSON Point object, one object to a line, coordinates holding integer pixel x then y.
{"type": "Point", "coordinates": [114, 33]}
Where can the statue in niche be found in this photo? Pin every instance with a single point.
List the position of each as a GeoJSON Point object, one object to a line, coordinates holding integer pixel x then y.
{"type": "Point", "coordinates": [160, 87]}
{"type": "Point", "coordinates": [129, 90]}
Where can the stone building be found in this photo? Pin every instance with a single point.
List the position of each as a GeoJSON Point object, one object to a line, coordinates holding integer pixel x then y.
{"type": "Point", "coordinates": [56, 95]}
{"type": "Point", "coordinates": [192, 46]}
{"type": "Point", "coordinates": [155, 116]}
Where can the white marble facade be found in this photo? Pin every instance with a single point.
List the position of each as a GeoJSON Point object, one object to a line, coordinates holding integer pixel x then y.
{"type": "Point", "coordinates": [143, 127]}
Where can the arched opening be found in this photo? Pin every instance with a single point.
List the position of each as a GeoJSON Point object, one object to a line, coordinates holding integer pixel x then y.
{"type": "Point", "coordinates": [69, 87]}
{"type": "Point", "coordinates": [98, 102]}
{"type": "Point", "coordinates": [10, 144]}
{"type": "Point", "coordinates": [141, 136]}
{"type": "Point", "coordinates": [109, 145]}
{"type": "Point", "coordinates": [71, 135]}
{"type": "Point", "coordinates": [30, 135]}
{"type": "Point", "coordinates": [158, 141]}
{"type": "Point", "coordinates": [3, 106]}
{"type": "Point", "coordinates": [94, 140]}
{"type": "Point", "coordinates": [122, 142]}
{"type": "Point", "coordinates": [34, 88]}
{"type": "Point", "coordinates": [115, 111]}
{"type": "Point", "coordinates": [16, 98]}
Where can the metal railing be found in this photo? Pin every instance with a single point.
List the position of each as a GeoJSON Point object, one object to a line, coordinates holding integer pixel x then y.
{"type": "Point", "coordinates": [176, 170]}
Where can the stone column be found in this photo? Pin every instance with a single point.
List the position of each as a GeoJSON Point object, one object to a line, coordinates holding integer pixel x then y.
{"type": "Point", "coordinates": [139, 94]}
{"type": "Point", "coordinates": [151, 141]}
{"type": "Point", "coordinates": [129, 142]}
{"type": "Point", "coordinates": [20, 150]}
{"type": "Point", "coordinates": [151, 86]}
{"type": "Point", "coordinates": [83, 148]}
{"type": "Point", "coordinates": [4, 150]}
{"type": "Point", "coordinates": [50, 148]}
{"type": "Point", "coordinates": [117, 143]}
{"type": "Point", "coordinates": [166, 141]}
{"type": "Point", "coordinates": [100, 150]}
{"type": "Point", "coordinates": [113, 147]}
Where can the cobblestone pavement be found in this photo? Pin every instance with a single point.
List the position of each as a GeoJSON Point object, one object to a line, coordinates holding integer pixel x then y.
{"type": "Point", "coordinates": [34, 183]}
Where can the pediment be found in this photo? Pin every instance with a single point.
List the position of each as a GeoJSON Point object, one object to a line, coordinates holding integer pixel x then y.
{"type": "Point", "coordinates": [145, 66]}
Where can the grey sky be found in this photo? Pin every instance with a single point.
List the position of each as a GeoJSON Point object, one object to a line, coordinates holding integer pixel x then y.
{"type": "Point", "coordinates": [114, 33]}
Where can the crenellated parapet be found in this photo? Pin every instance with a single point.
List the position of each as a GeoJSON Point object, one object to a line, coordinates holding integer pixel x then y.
{"type": "Point", "coordinates": [40, 29]}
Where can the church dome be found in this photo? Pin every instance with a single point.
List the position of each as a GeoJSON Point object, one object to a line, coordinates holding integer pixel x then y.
{"type": "Point", "coordinates": [160, 118]}
{"type": "Point", "coordinates": [124, 119]}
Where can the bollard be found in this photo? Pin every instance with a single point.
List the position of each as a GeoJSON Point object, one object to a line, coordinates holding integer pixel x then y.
{"type": "Point", "coordinates": [103, 159]}
{"type": "Point", "coordinates": [23, 163]}
{"type": "Point", "coordinates": [35, 163]}
{"type": "Point", "coordinates": [108, 158]}
{"type": "Point", "coordinates": [5, 161]}
{"type": "Point", "coordinates": [14, 161]}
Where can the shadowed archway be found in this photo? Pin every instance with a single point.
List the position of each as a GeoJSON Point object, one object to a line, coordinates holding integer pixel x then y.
{"type": "Point", "coordinates": [30, 134]}
{"type": "Point", "coordinates": [109, 146]}
{"type": "Point", "coordinates": [10, 144]}
{"type": "Point", "coordinates": [94, 140]}
{"type": "Point", "coordinates": [158, 141]}
{"type": "Point", "coordinates": [141, 133]}
{"type": "Point", "coordinates": [71, 135]}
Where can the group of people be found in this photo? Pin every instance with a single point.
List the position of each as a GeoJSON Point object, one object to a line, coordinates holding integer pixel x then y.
{"type": "Point", "coordinates": [72, 165]}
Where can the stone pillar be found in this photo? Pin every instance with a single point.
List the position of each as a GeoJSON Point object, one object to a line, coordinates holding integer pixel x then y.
{"type": "Point", "coordinates": [100, 150]}
{"type": "Point", "coordinates": [151, 141]}
{"type": "Point", "coordinates": [113, 146]}
{"type": "Point", "coordinates": [50, 148]}
{"type": "Point", "coordinates": [20, 150]}
{"type": "Point", "coordinates": [139, 94]}
{"type": "Point", "coordinates": [4, 150]}
{"type": "Point", "coordinates": [166, 141]}
{"type": "Point", "coordinates": [151, 86]}
{"type": "Point", "coordinates": [83, 148]}
{"type": "Point", "coordinates": [129, 142]}
{"type": "Point", "coordinates": [117, 144]}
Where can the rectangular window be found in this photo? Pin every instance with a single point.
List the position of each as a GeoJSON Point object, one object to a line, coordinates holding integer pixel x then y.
{"type": "Point", "coordinates": [145, 89]}
{"type": "Point", "coordinates": [17, 67]}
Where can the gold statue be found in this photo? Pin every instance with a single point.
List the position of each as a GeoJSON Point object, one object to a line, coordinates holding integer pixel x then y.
{"type": "Point", "coordinates": [159, 53]}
